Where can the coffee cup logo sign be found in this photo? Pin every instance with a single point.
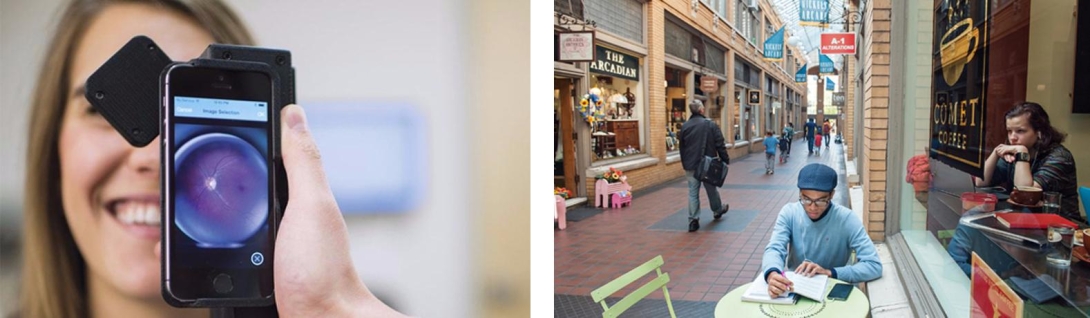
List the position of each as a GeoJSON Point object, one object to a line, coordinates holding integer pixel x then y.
{"type": "Point", "coordinates": [958, 97]}
{"type": "Point", "coordinates": [754, 97]}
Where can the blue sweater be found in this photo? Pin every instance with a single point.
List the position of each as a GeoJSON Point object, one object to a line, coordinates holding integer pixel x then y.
{"type": "Point", "coordinates": [829, 242]}
{"type": "Point", "coordinates": [770, 144]}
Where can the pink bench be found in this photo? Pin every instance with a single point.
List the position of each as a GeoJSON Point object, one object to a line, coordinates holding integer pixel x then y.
{"type": "Point", "coordinates": [619, 202]}
{"type": "Point", "coordinates": [603, 189]}
{"type": "Point", "coordinates": [561, 212]}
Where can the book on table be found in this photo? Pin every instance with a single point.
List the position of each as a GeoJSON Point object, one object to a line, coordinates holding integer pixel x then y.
{"type": "Point", "coordinates": [1031, 220]}
{"type": "Point", "coordinates": [809, 287]}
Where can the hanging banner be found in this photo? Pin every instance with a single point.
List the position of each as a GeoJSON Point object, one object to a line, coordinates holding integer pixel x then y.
{"type": "Point", "coordinates": [575, 46]}
{"type": "Point", "coordinates": [814, 13]}
{"type": "Point", "coordinates": [774, 46]}
{"type": "Point", "coordinates": [829, 85]}
{"type": "Point", "coordinates": [825, 64]}
{"type": "Point", "coordinates": [709, 84]}
{"type": "Point", "coordinates": [838, 99]}
{"type": "Point", "coordinates": [959, 86]}
{"type": "Point", "coordinates": [838, 43]}
{"type": "Point", "coordinates": [800, 76]}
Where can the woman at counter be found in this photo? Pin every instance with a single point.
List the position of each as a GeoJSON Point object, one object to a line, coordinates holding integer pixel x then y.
{"type": "Point", "coordinates": [1034, 156]}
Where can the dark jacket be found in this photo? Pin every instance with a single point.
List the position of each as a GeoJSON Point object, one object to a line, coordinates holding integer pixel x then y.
{"type": "Point", "coordinates": [811, 129]}
{"type": "Point", "coordinates": [700, 137]}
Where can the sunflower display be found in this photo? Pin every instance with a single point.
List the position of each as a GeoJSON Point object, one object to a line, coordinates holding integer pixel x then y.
{"type": "Point", "coordinates": [590, 107]}
{"type": "Point", "coordinates": [613, 175]}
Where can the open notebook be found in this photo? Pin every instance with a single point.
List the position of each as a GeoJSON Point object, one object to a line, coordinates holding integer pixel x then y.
{"type": "Point", "coordinates": [809, 287]}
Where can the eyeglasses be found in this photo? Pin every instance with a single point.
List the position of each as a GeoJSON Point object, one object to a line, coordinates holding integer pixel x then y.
{"type": "Point", "coordinates": [821, 203]}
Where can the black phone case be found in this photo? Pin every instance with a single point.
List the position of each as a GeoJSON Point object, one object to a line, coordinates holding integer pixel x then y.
{"type": "Point", "coordinates": [277, 207]}
{"type": "Point", "coordinates": [125, 90]}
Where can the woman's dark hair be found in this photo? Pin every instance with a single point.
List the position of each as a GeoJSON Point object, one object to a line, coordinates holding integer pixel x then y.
{"type": "Point", "coordinates": [1038, 119]}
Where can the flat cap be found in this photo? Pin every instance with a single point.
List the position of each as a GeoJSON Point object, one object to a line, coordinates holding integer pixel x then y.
{"type": "Point", "coordinates": [819, 177]}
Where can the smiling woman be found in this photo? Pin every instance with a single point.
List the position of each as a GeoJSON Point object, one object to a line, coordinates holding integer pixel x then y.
{"type": "Point", "coordinates": [85, 254]}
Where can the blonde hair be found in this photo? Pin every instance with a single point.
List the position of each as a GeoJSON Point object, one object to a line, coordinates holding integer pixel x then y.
{"type": "Point", "coordinates": [54, 278]}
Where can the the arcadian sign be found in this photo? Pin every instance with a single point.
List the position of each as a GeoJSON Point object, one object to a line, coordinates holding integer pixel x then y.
{"type": "Point", "coordinates": [617, 64]}
{"type": "Point", "coordinates": [959, 86]}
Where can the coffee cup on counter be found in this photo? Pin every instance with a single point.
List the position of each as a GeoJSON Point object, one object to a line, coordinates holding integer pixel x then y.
{"type": "Point", "coordinates": [1026, 195]}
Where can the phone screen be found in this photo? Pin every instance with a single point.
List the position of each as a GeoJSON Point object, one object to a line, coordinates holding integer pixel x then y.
{"type": "Point", "coordinates": [219, 190]}
{"type": "Point", "coordinates": [840, 292]}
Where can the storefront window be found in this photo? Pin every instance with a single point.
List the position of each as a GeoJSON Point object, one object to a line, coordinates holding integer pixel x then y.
{"type": "Point", "coordinates": [738, 123]}
{"type": "Point", "coordinates": [615, 80]}
{"type": "Point", "coordinates": [937, 225]}
{"type": "Point", "coordinates": [677, 110]}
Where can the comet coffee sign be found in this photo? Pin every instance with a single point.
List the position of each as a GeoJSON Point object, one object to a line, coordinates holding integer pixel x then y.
{"type": "Point", "coordinates": [959, 88]}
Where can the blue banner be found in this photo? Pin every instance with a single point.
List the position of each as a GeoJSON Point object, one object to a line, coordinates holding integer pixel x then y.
{"type": "Point", "coordinates": [774, 46]}
{"type": "Point", "coordinates": [800, 76]}
{"type": "Point", "coordinates": [829, 85]}
{"type": "Point", "coordinates": [825, 64]}
{"type": "Point", "coordinates": [814, 13]}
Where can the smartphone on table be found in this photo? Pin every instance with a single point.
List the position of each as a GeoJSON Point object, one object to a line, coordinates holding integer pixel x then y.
{"type": "Point", "coordinates": [220, 134]}
{"type": "Point", "coordinates": [840, 292]}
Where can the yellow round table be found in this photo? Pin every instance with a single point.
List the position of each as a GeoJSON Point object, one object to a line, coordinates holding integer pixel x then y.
{"type": "Point", "coordinates": [732, 305]}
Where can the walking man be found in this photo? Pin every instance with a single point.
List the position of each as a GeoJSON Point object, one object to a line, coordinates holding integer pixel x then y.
{"type": "Point", "coordinates": [810, 129]}
{"type": "Point", "coordinates": [770, 152]}
{"type": "Point", "coordinates": [825, 129]}
{"type": "Point", "coordinates": [701, 137]}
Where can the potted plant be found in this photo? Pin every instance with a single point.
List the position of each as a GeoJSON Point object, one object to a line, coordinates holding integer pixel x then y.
{"type": "Point", "coordinates": [612, 176]}
{"type": "Point", "coordinates": [562, 192]}
{"type": "Point", "coordinates": [919, 176]}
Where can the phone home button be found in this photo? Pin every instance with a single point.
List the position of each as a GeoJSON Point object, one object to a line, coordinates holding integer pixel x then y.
{"type": "Point", "coordinates": [222, 284]}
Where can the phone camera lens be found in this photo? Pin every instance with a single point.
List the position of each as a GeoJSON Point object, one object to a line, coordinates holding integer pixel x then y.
{"type": "Point", "coordinates": [220, 78]}
{"type": "Point", "coordinates": [100, 95]}
{"type": "Point", "coordinates": [280, 60]}
{"type": "Point", "coordinates": [226, 55]}
{"type": "Point", "coordinates": [136, 131]}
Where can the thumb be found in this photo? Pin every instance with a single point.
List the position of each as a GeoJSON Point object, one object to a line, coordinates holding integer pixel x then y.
{"type": "Point", "coordinates": [302, 162]}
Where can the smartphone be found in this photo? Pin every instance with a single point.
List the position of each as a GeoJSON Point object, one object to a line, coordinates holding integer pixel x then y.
{"type": "Point", "coordinates": [840, 292]}
{"type": "Point", "coordinates": [219, 140]}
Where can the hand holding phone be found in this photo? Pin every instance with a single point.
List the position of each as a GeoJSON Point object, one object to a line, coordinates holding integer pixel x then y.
{"type": "Point", "coordinates": [220, 135]}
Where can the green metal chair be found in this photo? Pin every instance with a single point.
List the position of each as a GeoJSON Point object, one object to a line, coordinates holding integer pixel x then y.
{"type": "Point", "coordinates": [599, 295]}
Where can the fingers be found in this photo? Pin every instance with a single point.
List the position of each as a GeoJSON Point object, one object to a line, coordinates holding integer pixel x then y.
{"type": "Point", "coordinates": [778, 285]}
{"type": "Point", "coordinates": [809, 269]}
{"type": "Point", "coordinates": [804, 268]}
{"type": "Point", "coordinates": [302, 162]}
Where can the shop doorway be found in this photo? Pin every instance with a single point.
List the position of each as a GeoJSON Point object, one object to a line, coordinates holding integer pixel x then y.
{"type": "Point", "coordinates": [564, 136]}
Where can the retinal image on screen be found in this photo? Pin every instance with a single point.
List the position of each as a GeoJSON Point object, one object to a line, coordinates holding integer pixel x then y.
{"type": "Point", "coordinates": [221, 186]}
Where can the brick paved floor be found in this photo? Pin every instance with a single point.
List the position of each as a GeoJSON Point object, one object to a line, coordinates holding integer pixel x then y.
{"type": "Point", "coordinates": [704, 265]}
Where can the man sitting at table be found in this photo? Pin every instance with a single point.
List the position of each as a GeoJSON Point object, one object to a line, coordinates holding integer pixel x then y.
{"type": "Point", "coordinates": [821, 234]}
